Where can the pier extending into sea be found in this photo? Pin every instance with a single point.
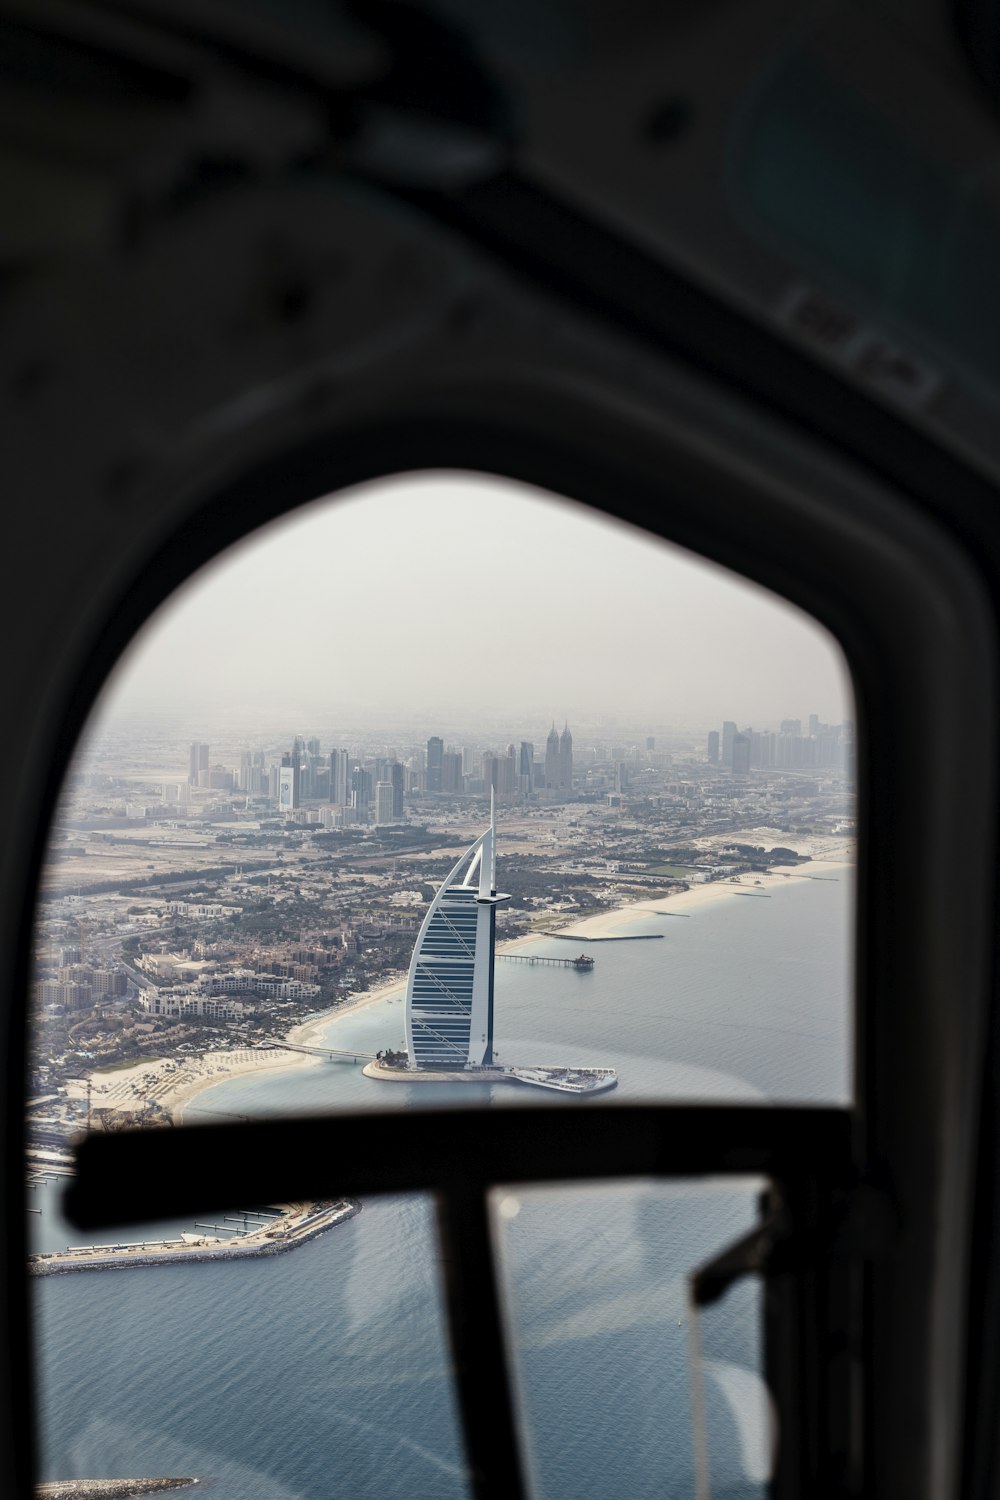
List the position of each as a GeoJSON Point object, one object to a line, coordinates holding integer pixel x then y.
{"type": "Point", "coordinates": [583, 962]}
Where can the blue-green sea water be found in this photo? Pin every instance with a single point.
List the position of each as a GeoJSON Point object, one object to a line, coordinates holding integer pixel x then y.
{"type": "Point", "coordinates": [324, 1372]}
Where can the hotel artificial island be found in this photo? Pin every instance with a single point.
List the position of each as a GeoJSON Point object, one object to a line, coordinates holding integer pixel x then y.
{"type": "Point", "coordinates": [450, 994]}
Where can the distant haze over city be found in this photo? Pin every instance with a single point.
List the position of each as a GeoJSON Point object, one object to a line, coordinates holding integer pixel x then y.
{"type": "Point", "coordinates": [461, 600]}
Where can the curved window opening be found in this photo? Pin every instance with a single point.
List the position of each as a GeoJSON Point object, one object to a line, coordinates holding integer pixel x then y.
{"type": "Point", "coordinates": [445, 791]}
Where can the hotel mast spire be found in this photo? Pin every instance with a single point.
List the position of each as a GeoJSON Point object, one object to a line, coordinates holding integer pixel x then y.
{"type": "Point", "coordinates": [488, 872]}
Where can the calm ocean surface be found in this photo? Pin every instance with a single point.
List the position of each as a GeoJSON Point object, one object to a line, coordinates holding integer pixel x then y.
{"type": "Point", "coordinates": [324, 1372]}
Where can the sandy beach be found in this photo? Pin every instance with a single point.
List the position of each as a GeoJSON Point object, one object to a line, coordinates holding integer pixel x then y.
{"type": "Point", "coordinates": [309, 1033]}
{"type": "Point", "coordinates": [174, 1085]}
{"type": "Point", "coordinates": [834, 862]}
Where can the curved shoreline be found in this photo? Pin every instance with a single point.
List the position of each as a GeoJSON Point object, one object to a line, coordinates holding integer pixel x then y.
{"type": "Point", "coordinates": [591, 927]}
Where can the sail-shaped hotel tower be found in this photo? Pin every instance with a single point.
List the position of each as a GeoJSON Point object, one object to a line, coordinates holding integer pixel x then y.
{"type": "Point", "coordinates": [449, 990]}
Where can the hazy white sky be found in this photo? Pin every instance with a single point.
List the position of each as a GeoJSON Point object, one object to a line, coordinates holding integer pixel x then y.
{"type": "Point", "coordinates": [468, 595]}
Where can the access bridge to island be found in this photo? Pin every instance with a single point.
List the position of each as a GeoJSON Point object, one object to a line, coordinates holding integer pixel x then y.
{"type": "Point", "coordinates": [332, 1054]}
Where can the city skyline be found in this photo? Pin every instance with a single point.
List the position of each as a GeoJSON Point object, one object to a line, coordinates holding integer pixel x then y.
{"type": "Point", "coordinates": [336, 610]}
{"type": "Point", "coordinates": [312, 770]}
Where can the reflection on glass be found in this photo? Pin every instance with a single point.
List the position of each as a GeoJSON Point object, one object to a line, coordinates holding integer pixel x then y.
{"type": "Point", "coordinates": [734, 1424]}
{"type": "Point", "coordinates": [600, 1333]}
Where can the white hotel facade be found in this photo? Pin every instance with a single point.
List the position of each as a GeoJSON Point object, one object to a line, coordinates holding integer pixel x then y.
{"type": "Point", "coordinates": [449, 989]}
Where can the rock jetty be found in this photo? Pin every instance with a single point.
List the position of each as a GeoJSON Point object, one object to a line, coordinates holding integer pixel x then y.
{"type": "Point", "coordinates": [107, 1489]}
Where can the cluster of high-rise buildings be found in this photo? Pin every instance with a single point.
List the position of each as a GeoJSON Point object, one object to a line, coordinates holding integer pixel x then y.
{"type": "Point", "coordinates": [506, 772]}
{"type": "Point", "coordinates": [364, 790]}
{"type": "Point", "coordinates": [821, 747]}
{"type": "Point", "coordinates": [344, 788]}
{"type": "Point", "coordinates": [341, 787]}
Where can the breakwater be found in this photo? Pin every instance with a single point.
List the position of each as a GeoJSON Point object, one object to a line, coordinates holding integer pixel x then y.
{"type": "Point", "coordinates": [107, 1489]}
{"type": "Point", "coordinates": [59, 1263]}
{"type": "Point", "coordinates": [564, 1080]}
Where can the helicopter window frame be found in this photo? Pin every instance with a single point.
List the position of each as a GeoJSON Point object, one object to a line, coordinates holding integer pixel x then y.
{"type": "Point", "coordinates": [787, 538]}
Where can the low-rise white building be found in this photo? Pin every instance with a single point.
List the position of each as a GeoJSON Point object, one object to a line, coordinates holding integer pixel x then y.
{"type": "Point", "coordinates": [178, 1006]}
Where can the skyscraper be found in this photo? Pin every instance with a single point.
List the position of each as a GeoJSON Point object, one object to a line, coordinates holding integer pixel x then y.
{"type": "Point", "coordinates": [490, 770]}
{"type": "Point", "coordinates": [288, 785]}
{"type": "Point", "coordinates": [451, 771]}
{"type": "Point", "coordinates": [504, 772]}
{"type": "Point", "coordinates": [383, 802]}
{"type": "Point", "coordinates": [198, 763]}
{"type": "Point", "coordinates": [296, 760]}
{"type": "Point", "coordinates": [435, 750]}
{"type": "Point", "coordinates": [290, 780]}
{"type": "Point", "coordinates": [397, 775]}
{"type": "Point", "coordinates": [728, 735]}
{"type": "Point", "coordinates": [762, 748]}
{"type": "Point", "coordinates": [741, 754]}
{"type": "Point", "coordinates": [526, 767]}
{"type": "Point", "coordinates": [713, 747]}
{"type": "Point", "coordinates": [308, 766]}
{"type": "Point", "coordinates": [449, 989]}
{"type": "Point", "coordinates": [339, 783]}
{"type": "Point", "coordinates": [552, 758]}
{"type": "Point", "coordinates": [509, 774]}
{"type": "Point", "coordinates": [566, 760]}
{"type": "Point", "coordinates": [361, 788]}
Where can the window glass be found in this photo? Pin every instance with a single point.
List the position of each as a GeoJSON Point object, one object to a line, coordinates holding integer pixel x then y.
{"type": "Point", "coordinates": [282, 808]}
{"type": "Point", "coordinates": [734, 1420]}
{"type": "Point", "coordinates": [265, 1376]}
{"type": "Point", "coordinates": [446, 791]}
{"type": "Point", "coordinates": [623, 1388]}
